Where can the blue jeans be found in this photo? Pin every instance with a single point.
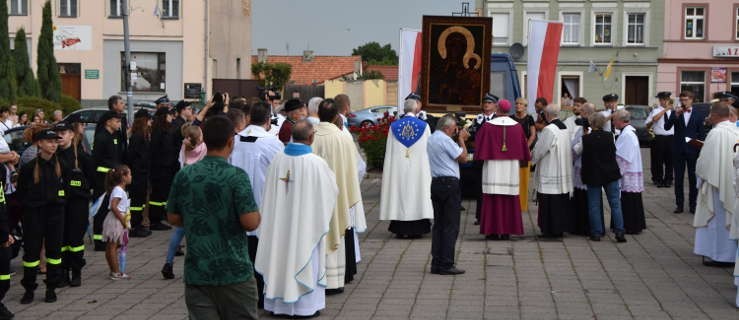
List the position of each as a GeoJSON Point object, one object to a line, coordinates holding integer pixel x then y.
{"type": "Point", "coordinates": [174, 242]}
{"type": "Point", "coordinates": [613, 194]}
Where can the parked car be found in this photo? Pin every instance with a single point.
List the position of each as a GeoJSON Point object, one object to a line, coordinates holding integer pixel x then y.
{"type": "Point", "coordinates": [14, 137]}
{"type": "Point", "coordinates": [93, 114]}
{"type": "Point", "coordinates": [639, 115]}
{"type": "Point", "coordinates": [370, 116]}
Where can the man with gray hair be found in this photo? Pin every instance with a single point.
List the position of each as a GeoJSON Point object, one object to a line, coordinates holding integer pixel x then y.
{"type": "Point", "coordinates": [553, 158]}
{"type": "Point", "coordinates": [444, 158]}
{"type": "Point", "coordinates": [313, 110]}
{"type": "Point", "coordinates": [628, 157]}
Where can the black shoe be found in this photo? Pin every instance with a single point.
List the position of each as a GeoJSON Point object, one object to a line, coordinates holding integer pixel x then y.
{"type": "Point", "coordinates": [505, 237]}
{"type": "Point", "coordinates": [594, 238]}
{"type": "Point", "coordinates": [27, 297]}
{"type": "Point", "coordinates": [331, 292]}
{"type": "Point", "coordinates": [620, 238]}
{"type": "Point", "coordinates": [50, 295]}
{"type": "Point", "coordinates": [179, 252]}
{"type": "Point", "coordinates": [477, 222]}
{"type": "Point", "coordinates": [159, 227]}
{"type": "Point", "coordinates": [708, 262]}
{"type": "Point", "coordinates": [64, 279]}
{"type": "Point", "coordinates": [140, 232]}
{"type": "Point", "coordinates": [692, 210]}
{"type": "Point", "coordinates": [76, 280]}
{"type": "Point", "coordinates": [453, 271]}
{"type": "Point", "coordinates": [678, 210]}
{"type": "Point", "coordinates": [99, 245]}
{"type": "Point", "coordinates": [5, 314]}
{"type": "Point", "coordinates": [492, 237]}
{"type": "Point", "coordinates": [167, 272]}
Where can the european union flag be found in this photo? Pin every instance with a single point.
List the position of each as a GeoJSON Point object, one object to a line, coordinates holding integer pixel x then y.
{"type": "Point", "coordinates": [408, 130]}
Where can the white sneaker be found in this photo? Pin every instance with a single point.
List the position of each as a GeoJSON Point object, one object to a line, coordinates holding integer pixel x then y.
{"type": "Point", "coordinates": [115, 276]}
{"type": "Point", "coordinates": [124, 276]}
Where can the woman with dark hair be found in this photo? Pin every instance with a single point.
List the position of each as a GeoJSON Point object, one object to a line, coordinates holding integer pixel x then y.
{"type": "Point", "coordinates": [23, 119]}
{"type": "Point", "coordinates": [138, 157]}
{"type": "Point", "coordinates": [163, 167]}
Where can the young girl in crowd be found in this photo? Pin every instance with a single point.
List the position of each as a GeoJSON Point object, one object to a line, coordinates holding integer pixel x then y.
{"type": "Point", "coordinates": [117, 221]}
{"type": "Point", "coordinates": [193, 150]}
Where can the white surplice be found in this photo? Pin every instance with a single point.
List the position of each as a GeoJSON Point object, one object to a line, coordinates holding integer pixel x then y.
{"type": "Point", "coordinates": [299, 201]}
{"type": "Point", "coordinates": [553, 158]}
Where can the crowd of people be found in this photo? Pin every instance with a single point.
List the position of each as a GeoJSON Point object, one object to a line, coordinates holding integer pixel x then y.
{"type": "Point", "coordinates": [267, 194]}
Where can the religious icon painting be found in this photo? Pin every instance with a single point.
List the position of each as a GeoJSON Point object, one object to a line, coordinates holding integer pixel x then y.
{"type": "Point", "coordinates": [456, 62]}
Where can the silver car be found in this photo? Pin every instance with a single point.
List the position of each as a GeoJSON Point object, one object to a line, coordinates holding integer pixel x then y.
{"type": "Point", "coordinates": [370, 116]}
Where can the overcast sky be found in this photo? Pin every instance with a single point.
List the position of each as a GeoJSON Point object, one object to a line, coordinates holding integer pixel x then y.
{"type": "Point", "coordinates": [335, 27]}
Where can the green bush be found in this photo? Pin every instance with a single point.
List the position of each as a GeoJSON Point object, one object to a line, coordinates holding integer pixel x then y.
{"type": "Point", "coordinates": [30, 104]}
{"type": "Point", "coordinates": [69, 104]}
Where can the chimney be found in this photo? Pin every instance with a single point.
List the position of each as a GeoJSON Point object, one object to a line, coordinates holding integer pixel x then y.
{"type": "Point", "coordinates": [262, 55]}
{"type": "Point", "coordinates": [307, 55]}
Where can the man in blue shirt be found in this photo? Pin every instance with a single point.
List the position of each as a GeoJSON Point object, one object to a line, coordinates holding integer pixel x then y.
{"type": "Point", "coordinates": [444, 158]}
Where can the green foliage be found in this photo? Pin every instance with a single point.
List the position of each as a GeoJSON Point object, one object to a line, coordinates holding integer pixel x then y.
{"type": "Point", "coordinates": [272, 74]}
{"type": "Point", "coordinates": [49, 81]}
{"type": "Point", "coordinates": [69, 104]}
{"type": "Point", "coordinates": [373, 53]}
{"type": "Point", "coordinates": [27, 85]}
{"type": "Point", "coordinates": [371, 75]}
{"type": "Point", "coordinates": [7, 69]}
{"type": "Point", "coordinates": [30, 104]}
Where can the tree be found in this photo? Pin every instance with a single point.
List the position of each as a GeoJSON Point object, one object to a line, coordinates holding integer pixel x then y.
{"type": "Point", "coordinates": [7, 69]}
{"type": "Point", "coordinates": [373, 53]}
{"type": "Point", "coordinates": [272, 75]}
{"type": "Point", "coordinates": [48, 72]}
{"type": "Point", "coordinates": [27, 85]}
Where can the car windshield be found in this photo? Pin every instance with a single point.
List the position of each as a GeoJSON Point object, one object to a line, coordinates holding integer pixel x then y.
{"type": "Point", "coordinates": [638, 113]}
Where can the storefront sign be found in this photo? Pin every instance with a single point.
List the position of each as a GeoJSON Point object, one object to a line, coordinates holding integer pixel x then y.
{"type": "Point", "coordinates": [73, 38]}
{"type": "Point", "coordinates": [92, 74]}
{"type": "Point", "coordinates": [726, 51]}
{"type": "Point", "coordinates": [718, 75]}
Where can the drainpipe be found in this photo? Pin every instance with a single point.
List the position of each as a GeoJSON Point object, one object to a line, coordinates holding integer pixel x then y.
{"type": "Point", "coordinates": [206, 50]}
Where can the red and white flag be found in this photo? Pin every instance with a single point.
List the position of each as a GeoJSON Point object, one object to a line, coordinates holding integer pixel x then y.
{"type": "Point", "coordinates": [544, 42]}
{"type": "Point", "coordinates": [409, 64]}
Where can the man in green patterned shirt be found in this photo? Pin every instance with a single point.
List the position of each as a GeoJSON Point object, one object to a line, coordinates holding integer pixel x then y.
{"type": "Point", "coordinates": [214, 203]}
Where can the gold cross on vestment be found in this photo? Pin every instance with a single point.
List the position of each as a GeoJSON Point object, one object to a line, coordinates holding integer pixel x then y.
{"type": "Point", "coordinates": [286, 179]}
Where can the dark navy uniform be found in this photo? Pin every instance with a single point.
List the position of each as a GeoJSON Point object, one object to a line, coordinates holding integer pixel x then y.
{"type": "Point", "coordinates": [5, 254]}
{"type": "Point", "coordinates": [78, 171]}
{"type": "Point", "coordinates": [162, 171]}
{"type": "Point", "coordinates": [107, 153]}
{"type": "Point", "coordinates": [43, 221]}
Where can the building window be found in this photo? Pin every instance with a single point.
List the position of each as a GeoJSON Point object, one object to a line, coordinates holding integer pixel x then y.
{"type": "Point", "coordinates": [735, 83]}
{"type": "Point", "coordinates": [570, 89]}
{"type": "Point", "coordinates": [528, 17]}
{"type": "Point", "coordinates": [694, 22]}
{"type": "Point", "coordinates": [18, 7]}
{"type": "Point", "coordinates": [500, 28]}
{"type": "Point", "coordinates": [694, 81]}
{"type": "Point", "coordinates": [116, 9]}
{"type": "Point", "coordinates": [571, 28]}
{"type": "Point", "coordinates": [736, 18]}
{"type": "Point", "coordinates": [171, 9]}
{"type": "Point", "coordinates": [603, 27]}
{"type": "Point", "coordinates": [635, 28]}
{"type": "Point", "coordinates": [68, 8]}
{"type": "Point", "coordinates": [150, 71]}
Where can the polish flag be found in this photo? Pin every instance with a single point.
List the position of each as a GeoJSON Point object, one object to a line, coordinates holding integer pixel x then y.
{"type": "Point", "coordinates": [409, 68]}
{"type": "Point", "coordinates": [544, 42]}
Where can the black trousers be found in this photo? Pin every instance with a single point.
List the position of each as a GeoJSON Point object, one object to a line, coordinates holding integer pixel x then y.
{"type": "Point", "coordinates": [446, 198]}
{"type": "Point", "coordinates": [138, 191]}
{"type": "Point", "coordinates": [42, 224]}
{"type": "Point", "coordinates": [76, 212]}
{"type": "Point", "coordinates": [661, 159]}
{"type": "Point", "coordinates": [97, 221]}
{"type": "Point", "coordinates": [683, 161]}
{"type": "Point", "coordinates": [160, 185]}
{"type": "Point", "coordinates": [253, 242]}
{"type": "Point", "coordinates": [5, 255]}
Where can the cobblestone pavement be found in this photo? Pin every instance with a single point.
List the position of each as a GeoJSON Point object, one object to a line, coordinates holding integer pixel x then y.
{"type": "Point", "coordinates": [653, 276]}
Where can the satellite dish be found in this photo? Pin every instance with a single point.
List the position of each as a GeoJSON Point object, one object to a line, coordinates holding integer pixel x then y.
{"type": "Point", "coordinates": [516, 51]}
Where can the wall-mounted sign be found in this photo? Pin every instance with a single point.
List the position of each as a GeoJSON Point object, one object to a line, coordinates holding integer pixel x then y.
{"type": "Point", "coordinates": [92, 74]}
{"type": "Point", "coordinates": [726, 51]}
{"type": "Point", "coordinates": [73, 38]}
{"type": "Point", "coordinates": [718, 75]}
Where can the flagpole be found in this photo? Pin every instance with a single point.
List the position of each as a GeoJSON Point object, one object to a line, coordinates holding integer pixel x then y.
{"type": "Point", "coordinates": [127, 54]}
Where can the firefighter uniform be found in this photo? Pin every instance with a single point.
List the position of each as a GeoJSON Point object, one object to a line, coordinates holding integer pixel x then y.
{"type": "Point", "coordinates": [42, 193]}
{"type": "Point", "coordinates": [5, 254]}
{"type": "Point", "coordinates": [138, 158]}
{"type": "Point", "coordinates": [162, 171]}
{"type": "Point", "coordinates": [78, 172]}
{"type": "Point", "coordinates": [107, 153]}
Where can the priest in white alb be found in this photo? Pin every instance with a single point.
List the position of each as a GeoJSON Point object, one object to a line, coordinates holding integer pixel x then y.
{"type": "Point", "coordinates": [292, 249]}
{"type": "Point", "coordinates": [340, 152]}
{"type": "Point", "coordinates": [254, 148]}
{"type": "Point", "coordinates": [553, 177]}
{"type": "Point", "coordinates": [503, 147]}
{"type": "Point", "coordinates": [406, 176]}
{"type": "Point", "coordinates": [628, 157]}
{"type": "Point", "coordinates": [716, 205]}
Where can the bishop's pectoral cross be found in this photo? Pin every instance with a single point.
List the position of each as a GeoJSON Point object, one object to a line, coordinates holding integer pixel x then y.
{"type": "Point", "coordinates": [286, 179]}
